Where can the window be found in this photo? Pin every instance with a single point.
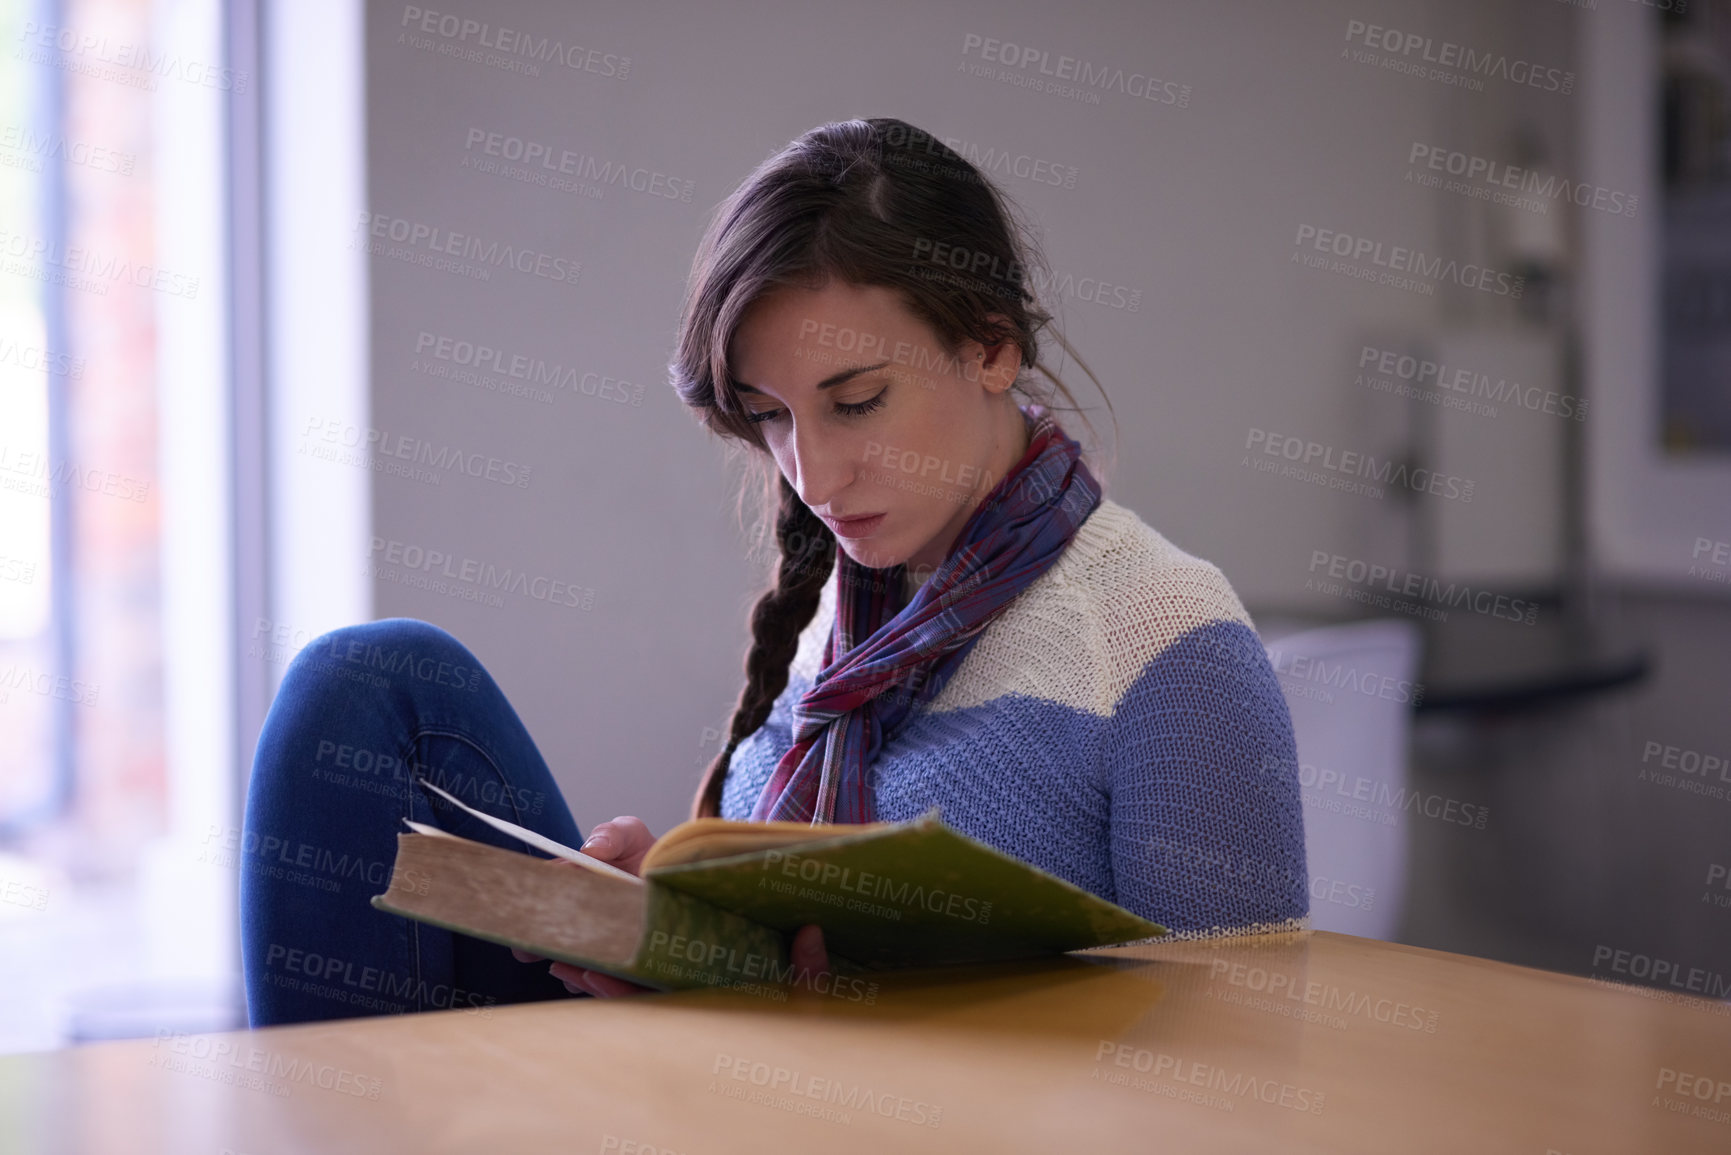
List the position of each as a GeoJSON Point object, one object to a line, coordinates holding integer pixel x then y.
{"type": "Point", "coordinates": [114, 520]}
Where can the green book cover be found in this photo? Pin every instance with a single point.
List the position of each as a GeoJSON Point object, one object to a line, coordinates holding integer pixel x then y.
{"type": "Point", "coordinates": [919, 893]}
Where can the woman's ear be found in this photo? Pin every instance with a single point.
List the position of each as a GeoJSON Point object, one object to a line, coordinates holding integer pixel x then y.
{"type": "Point", "coordinates": [999, 364]}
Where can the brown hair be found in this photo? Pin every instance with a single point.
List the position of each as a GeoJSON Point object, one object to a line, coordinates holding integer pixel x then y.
{"type": "Point", "coordinates": [870, 202]}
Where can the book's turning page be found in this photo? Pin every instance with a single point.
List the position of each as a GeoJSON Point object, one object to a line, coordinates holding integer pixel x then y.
{"type": "Point", "coordinates": [705, 838]}
{"type": "Point", "coordinates": [534, 838]}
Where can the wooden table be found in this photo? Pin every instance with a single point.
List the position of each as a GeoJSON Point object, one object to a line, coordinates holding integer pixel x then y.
{"type": "Point", "coordinates": [1282, 1043]}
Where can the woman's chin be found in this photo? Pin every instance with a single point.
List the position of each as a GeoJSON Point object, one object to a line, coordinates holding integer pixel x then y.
{"type": "Point", "coordinates": [870, 556]}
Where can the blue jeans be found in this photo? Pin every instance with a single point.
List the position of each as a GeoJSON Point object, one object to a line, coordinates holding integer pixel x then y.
{"type": "Point", "coordinates": [363, 713]}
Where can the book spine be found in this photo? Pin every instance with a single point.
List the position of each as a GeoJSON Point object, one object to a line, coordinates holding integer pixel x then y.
{"type": "Point", "coordinates": [688, 942]}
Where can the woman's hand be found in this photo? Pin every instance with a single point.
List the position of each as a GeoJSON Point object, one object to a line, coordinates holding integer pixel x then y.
{"type": "Point", "coordinates": [807, 952]}
{"type": "Point", "coordinates": [623, 842]}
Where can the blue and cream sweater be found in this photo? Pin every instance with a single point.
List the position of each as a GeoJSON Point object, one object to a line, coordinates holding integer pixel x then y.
{"type": "Point", "coordinates": [1118, 725]}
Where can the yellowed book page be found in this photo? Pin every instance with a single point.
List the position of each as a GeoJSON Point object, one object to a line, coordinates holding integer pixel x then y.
{"type": "Point", "coordinates": [705, 838]}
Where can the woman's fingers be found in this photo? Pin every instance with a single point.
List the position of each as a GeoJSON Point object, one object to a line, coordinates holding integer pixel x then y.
{"type": "Point", "coordinates": [571, 976]}
{"type": "Point", "coordinates": [593, 982]}
{"type": "Point", "coordinates": [807, 952]}
{"type": "Point", "coordinates": [608, 987]}
{"type": "Point", "coordinates": [623, 841]}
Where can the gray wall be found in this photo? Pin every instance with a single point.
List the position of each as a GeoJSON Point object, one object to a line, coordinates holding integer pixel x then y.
{"type": "Point", "coordinates": [1193, 206]}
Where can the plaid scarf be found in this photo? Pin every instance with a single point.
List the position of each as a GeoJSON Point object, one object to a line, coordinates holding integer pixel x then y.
{"type": "Point", "coordinates": [1015, 535]}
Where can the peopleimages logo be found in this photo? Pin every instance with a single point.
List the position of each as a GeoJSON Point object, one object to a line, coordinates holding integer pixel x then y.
{"type": "Point", "coordinates": [16, 893]}
{"type": "Point", "coordinates": [421, 237]}
{"type": "Point", "coordinates": [33, 358]}
{"type": "Point", "coordinates": [1718, 553]}
{"type": "Point", "coordinates": [1396, 265]}
{"type": "Point", "coordinates": [1453, 60]}
{"type": "Point", "coordinates": [1692, 1085]}
{"type": "Point", "coordinates": [1718, 874]}
{"type": "Point", "coordinates": [1669, 972]}
{"type": "Point", "coordinates": [1004, 163]}
{"type": "Point", "coordinates": [1235, 1084]}
{"type": "Point", "coordinates": [32, 148]}
{"type": "Point", "coordinates": [33, 681]}
{"type": "Point", "coordinates": [1354, 464]}
{"type": "Point", "coordinates": [513, 46]}
{"type": "Point", "coordinates": [31, 472]}
{"type": "Point", "coordinates": [470, 574]}
{"type": "Point", "coordinates": [828, 1098]}
{"type": "Point", "coordinates": [1328, 996]}
{"type": "Point", "coordinates": [1394, 799]}
{"type": "Point", "coordinates": [1078, 74]}
{"type": "Point", "coordinates": [1351, 895]}
{"type": "Point", "coordinates": [1488, 177]}
{"type": "Point", "coordinates": [1684, 769]}
{"type": "Point", "coordinates": [81, 267]}
{"type": "Point", "coordinates": [221, 1059]}
{"type": "Point", "coordinates": [78, 45]}
{"type": "Point", "coordinates": [542, 162]}
{"type": "Point", "coordinates": [981, 271]}
{"type": "Point", "coordinates": [1315, 670]}
{"type": "Point", "coordinates": [1412, 585]}
{"type": "Point", "coordinates": [1469, 382]}
{"type": "Point", "coordinates": [353, 445]}
{"type": "Point", "coordinates": [903, 893]}
{"type": "Point", "coordinates": [534, 371]}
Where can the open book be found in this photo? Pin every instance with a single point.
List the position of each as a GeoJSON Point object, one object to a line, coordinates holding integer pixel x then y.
{"type": "Point", "coordinates": [718, 901]}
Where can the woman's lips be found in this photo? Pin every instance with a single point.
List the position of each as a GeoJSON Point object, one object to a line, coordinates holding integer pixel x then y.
{"type": "Point", "coordinates": [856, 528]}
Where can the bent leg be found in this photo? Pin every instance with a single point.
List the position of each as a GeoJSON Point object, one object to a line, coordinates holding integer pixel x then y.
{"type": "Point", "coordinates": [363, 713]}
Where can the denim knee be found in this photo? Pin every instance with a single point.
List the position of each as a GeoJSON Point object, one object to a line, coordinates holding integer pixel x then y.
{"type": "Point", "coordinates": [405, 651]}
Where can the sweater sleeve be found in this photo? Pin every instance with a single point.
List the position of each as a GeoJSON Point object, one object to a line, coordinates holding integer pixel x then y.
{"type": "Point", "coordinates": [1207, 823]}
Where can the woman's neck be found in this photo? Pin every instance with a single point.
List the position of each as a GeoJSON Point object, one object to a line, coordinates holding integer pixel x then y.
{"type": "Point", "coordinates": [1012, 443]}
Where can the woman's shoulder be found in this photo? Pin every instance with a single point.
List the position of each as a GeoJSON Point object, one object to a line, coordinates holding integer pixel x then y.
{"type": "Point", "coordinates": [1081, 634]}
{"type": "Point", "coordinates": [1135, 578]}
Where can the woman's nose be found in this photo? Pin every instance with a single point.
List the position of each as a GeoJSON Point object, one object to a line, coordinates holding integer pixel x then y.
{"type": "Point", "coordinates": [824, 464]}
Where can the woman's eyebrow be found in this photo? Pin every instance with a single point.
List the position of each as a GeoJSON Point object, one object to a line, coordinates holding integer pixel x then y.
{"type": "Point", "coordinates": [832, 379]}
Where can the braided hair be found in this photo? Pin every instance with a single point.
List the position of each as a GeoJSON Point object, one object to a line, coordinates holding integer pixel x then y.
{"type": "Point", "coordinates": [807, 555]}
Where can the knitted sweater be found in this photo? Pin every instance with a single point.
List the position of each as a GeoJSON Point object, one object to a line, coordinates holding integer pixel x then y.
{"type": "Point", "coordinates": [1118, 725]}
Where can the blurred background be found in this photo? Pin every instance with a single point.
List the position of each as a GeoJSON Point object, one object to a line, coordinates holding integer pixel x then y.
{"type": "Point", "coordinates": [262, 269]}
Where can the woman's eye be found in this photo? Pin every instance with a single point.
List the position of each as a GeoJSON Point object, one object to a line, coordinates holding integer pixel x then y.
{"type": "Point", "coordinates": [853, 409]}
{"type": "Point", "coordinates": [865, 406]}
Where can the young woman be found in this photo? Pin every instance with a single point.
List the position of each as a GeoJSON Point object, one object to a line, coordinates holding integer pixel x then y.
{"type": "Point", "coordinates": [959, 618]}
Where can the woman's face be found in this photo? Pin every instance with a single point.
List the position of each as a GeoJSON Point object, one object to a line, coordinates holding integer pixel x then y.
{"type": "Point", "coordinates": [868, 417]}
